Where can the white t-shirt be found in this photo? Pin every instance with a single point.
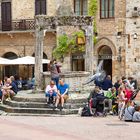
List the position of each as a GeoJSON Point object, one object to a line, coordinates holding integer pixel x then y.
{"type": "Point", "coordinates": [51, 89]}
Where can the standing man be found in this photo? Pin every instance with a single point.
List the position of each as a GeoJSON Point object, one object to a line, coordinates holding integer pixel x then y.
{"type": "Point", "coordinates": [62, 94]}
{"type": "Point", "coordinates": [54, 72]}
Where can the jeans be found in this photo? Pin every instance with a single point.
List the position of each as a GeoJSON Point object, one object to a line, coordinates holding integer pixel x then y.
{"type": "Point", "coordinates": [56, 80]}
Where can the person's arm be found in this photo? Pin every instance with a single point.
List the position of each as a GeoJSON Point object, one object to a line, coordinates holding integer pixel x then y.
{"type": "Point", "coordinates": [66, 91]}
{"type": "Point", "coordinates": [58, 92]}
{"type": "Point", "coordinates": [55, 89]}
{"type": "Point", "coordinates": [47, 88]}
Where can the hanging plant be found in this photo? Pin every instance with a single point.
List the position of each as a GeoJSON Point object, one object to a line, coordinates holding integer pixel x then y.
{"type": "Point", "coordinates": [68, 44]}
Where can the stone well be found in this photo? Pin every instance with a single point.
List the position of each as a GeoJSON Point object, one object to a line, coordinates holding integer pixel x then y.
{"type": "Point", "coordinates": [74, 79]}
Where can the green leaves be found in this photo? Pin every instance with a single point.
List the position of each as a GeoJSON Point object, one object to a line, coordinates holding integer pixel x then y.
{"type": "Point", "coordinates": [67, 44]}
{"type": "Point", "coordinates": [92, 7]}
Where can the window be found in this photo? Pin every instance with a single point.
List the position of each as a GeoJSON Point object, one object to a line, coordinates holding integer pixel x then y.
{"type": "Point", "coordinates": [80, 7]}
{"type": "Point", "coordinates": [78, 62]}
{"type": "Point", "coordinates": [40, 7]}
{"type": "Point", "coordinates": [106, 8]}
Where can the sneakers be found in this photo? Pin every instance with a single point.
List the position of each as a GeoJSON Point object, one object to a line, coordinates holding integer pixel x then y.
{"type": "Point", "coordinates": [61, 108]}
{"type": "Point", "coordinates": [54, 107]}
{"type": "Point", "coordinates": [110, 112]}
{"type": "Point", "coordinates": [8, 99]}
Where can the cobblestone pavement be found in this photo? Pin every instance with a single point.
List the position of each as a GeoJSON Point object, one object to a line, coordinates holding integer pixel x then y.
{"type": "Point", "coordinates": [67, 128]}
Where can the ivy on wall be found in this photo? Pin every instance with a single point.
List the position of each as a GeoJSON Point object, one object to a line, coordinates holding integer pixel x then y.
{"type": "Point", "coordinates": [92, 11]}
{"type": "Point", "coordinates": [67, 44]}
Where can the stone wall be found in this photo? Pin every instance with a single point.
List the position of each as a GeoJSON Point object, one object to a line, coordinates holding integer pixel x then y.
{"type": "Point", "coordinates": [133, 51]}
{"type": "Point", "coordinates": [25, 9]}
{"type": "Point", "coordinates": [22, 44]}
{"type": "Point", "coordinates": [108, 28]}
{"type": "Point", "coordinates": [75, 80]}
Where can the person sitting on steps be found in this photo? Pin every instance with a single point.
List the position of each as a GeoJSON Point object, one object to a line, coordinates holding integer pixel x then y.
{"type": "Point", "coordinates": [51, 91]}
{"type": "Point", "coordinates": [62, 94]}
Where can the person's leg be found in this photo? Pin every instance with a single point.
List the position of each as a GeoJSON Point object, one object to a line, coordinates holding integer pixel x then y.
{"type": "Point", "coordinates": [63, 99]}
{"type": "Point", "coordinates": [91, 105]}
{"type": "Point", "coordinates": [3, 96]}
{"type": "Point", "coordinates": [110, 104]}
{"type": "Point", "coordinates": [54, 96]}
{"type": "Point", "coordinates": [47, 96]}
{"type": "Point", "coordinates": [57, 81]}
{"type": "Point", "coordinates": [12, 94]}
{"type": "Point", "coordinates": [57, 100]}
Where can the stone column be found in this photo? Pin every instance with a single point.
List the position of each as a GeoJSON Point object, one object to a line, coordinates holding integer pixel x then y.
{"type": "Point", "coordinates": [39, 32]}
{"type": "Point", "coordinates": [0, 16]}
{"type": "Point", "coordinates": [89, 49]}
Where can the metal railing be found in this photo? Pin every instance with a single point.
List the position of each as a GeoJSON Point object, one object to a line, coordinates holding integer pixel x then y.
{"type": "Point", "coordinates": [18, 25]}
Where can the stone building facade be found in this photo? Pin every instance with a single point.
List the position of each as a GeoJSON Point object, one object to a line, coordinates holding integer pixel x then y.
{"type": "Point", "coordinates": [118, 37]}
{"type": "Point", "coordinates": [17, 31]}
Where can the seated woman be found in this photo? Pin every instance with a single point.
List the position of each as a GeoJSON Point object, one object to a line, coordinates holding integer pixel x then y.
{"type": "Point", "coordinates": [51, 91]}
{"type": "Point", "coordinates": [62, 94]}
{"type": "Point", "coordinates": [129, 111]}
{"type": "Point", "coordinates": [136, 115]}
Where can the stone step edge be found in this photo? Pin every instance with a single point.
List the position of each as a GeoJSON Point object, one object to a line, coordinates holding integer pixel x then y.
{"type": "Point", "coordinates": [41, 103]}
{"type": "Point", "coordinates": [25, 99]}
{"type": "Point", "coordinates": [40, 115]}
{"type": "Point", "coordinates": [11, 109]}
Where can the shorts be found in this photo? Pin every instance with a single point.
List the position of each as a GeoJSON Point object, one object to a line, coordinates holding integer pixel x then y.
{"type": "Point", "coordinates": [66, 97]}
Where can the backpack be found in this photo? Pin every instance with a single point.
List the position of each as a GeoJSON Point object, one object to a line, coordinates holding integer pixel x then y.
{"type": "Point", "coordinates": [86, 111]}
{"type": "Point", "coordinates": [58, 69]}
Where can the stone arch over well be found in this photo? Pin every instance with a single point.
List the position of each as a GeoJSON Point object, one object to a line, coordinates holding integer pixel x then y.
{"type": "Point", "coordinates": [106, 50]}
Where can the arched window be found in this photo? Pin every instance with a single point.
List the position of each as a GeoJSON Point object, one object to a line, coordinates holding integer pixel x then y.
{"type": "Point", "coordinates": [11, 69]}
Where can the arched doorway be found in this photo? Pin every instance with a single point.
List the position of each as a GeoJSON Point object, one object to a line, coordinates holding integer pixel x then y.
{"type": "Point", "coordinates": [105, 54]}
{"type": "Point", "coordinates": [10, 69]}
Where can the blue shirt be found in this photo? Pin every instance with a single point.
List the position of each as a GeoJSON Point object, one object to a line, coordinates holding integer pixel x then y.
{"type": "Point", "coordinates": [62, 88]}
{"type": "Point", "coordinates": [14, 87]}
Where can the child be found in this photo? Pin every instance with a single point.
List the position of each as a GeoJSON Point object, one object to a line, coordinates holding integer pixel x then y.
{"type": "Point", "coordinates": [121, 101]}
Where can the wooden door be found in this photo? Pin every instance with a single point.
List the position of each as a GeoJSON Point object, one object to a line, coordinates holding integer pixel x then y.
{"type": "Point", "coordinates": [6, 16]}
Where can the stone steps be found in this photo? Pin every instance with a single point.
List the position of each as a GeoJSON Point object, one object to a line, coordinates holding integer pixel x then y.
{"type": "Point", "coordinates": [9, 109]}
{"type": "Point", "coordinates": [13, 103]}
{"type": "Point", "coordinates": [43, 100]}
{"type": "Point", "coordinates": [27, 106]}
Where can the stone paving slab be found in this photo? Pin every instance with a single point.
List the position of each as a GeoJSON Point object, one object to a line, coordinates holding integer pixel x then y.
{"type": "Point", "coordinates": [67, 128]}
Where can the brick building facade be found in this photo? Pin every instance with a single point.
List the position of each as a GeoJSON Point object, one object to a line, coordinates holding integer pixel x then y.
{"type": "Point", "coordinates": [118, 37]}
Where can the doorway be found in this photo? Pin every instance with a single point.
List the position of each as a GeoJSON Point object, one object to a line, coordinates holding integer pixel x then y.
{"type": "Point", "coordinates": [105, 54]}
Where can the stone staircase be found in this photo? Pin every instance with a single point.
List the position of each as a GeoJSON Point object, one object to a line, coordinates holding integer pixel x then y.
{"type": "Point", "coordinates": [37, 106]}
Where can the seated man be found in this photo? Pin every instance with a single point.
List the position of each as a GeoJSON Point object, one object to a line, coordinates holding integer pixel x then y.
{"type": "Point", "coordinates": [97, 100]}
{"type": "Point", "coordinates": [62, 94]}
{"type": "Point", "coordinates": [51, 91]}
{"type": "Point", "coordinates": [9, 89]}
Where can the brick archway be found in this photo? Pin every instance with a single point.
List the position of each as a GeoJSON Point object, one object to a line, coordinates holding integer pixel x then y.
{"type": "Point", "coordinates": [99, 45]}
{"type": "Point", "coordinates": [105, 42]}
